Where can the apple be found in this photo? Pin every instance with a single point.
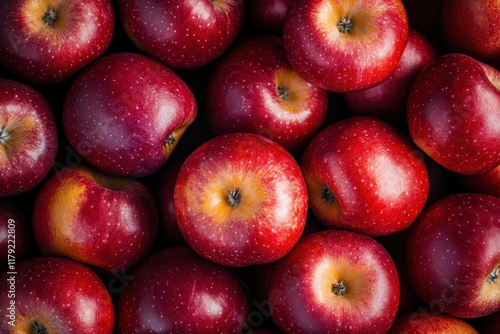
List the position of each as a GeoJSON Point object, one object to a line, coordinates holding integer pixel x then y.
{"type": "Point", "coordinates": [240, 199]}
{"type": "Point", "coordinates": [387, 100]}
{"type": "Point", "coordinates": [28, 138]}
{"type": "Point", "coordinates": [182, 34]}
{"type": "Point", "coordinates": [106, 222]}
{"type": "Point", "coordinates": [453, 255]}
{"type": "Point", "coordinates": [334, 282]}
{"type": "Point", "coordinates": [430, 323]}
{"type": "Point", "coordinates": [268, 16]}
{"type": "Point", "coordinates": [15, 235]}
{"type": "Point", "coordinates": [177, 291]}
{"type": "Point", "coordinates": [54, 295]}
{"type": "Point", "coordinates": [126, 113]}
{"type": "Point", "coordinates": [345, 46]}
{"type": "Point", "coordinates": [470, 27]}
{"type": "Point", "coordinates": [365, 176]}
{"type": "Point", "coordinates": [254, 89]}
{"type": "Point", "coordinates": [453, 113]}
{"type": "Point", "coordinates": [46, 41]}
{"type": "Point", "coordinates": [486, 183]}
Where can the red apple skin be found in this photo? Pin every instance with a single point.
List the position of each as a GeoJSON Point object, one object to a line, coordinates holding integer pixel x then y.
{"type": "Point", "coordinates": [453, 255]}
{"type": "Point", "coordinates": [465, 25]}
{"type": "Point", "coordinates": [177, 291]}
{"type": "Point", "coordinates": [28, 138]}
{"type": "Point", "coordinates": [430, 323]}
{"type": "Point", "coordinates": [267, 219]}
{"type": "Point", "coordinates": [66, 297]}
{"type": "Point", "coordinates": [388, 99]}
{"type": "Point", "coordinates": [340, 62]}
{"type": "Point", "coordinates": [243, 95]}
{"type": "Point", "coordinates": [182, 34]}
{"type": "Point", "coordinates": [302, 283]}
{"type": "Point", "coordinates": [48, 54]}
{"type": "Point", "coordinates": [452, 113]}
{"type": "Point", "coordinates": [120, 112]}
{"type": "Point", "coordinates": [365, 176]}
{"type": "Point", "coordinates": [106, 222]}
{"type": "Point", "coordinates": [486, 183]}
{"type": "Point", "coordinates": [268, 15]}
{"type": "Point", "coordinates": [15, 235]}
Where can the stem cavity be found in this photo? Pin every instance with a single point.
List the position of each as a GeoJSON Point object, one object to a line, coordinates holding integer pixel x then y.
{"type": "Point", "coordinates": [345, 25]}
{"type": "Point", "coordinates": [339, 289]}
{"type": "Point", "coordinates": [50, 17]}
{"type": "Point", "coordinates": [234, 197]}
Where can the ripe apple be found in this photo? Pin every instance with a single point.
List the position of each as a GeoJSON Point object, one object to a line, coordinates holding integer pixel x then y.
{"type": "Point", "coordinates": [345, 46]}
{"type": "Point", "coordinates": [268, 16]}
{"type": "Point", "coordinates": [177, 291]}
{"type": "Point", "coordinates": [54, 295]}
{"type": "Point", "coordinates": [254, 89]}
{"type": "Point", "coordinates": [106, 222]}
{"type": "Point", "coordinates": [47, 41]}
{"type": "Point", "coordinates": [453, 255]}
{"type": "Point", "coordinates": [388, 99]}
{"type": "Point", "coordinates": [365, 176]}
{"type": "Point", "coordinates": [240, 199]}
{"type": "Point", "coordinates": [182, 34]}
{"type": "Point", "coordinates": [15, 235]}
{"type": "Point", "coordinates": [430, 323]}
{"type": "Point", "coordinates": [334, 282]}
{"type": "Point", "coordinates": [486, 183]}
{"type": "Point", "coordinates": [28, 138]}
{"type": "Point", "coordinates": [126, 112]}
{"type": "Point", "coordinates": [453, 113]}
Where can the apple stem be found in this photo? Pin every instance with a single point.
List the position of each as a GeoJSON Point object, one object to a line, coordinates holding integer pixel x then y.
{"type": "Point", "coordinates": [493, 276]}
{"type": "Point", "coordinates": [4, 136]}
{"type": "Point", "coordinates": [170, 140]}
{"type": "Point", "coordinates": [38, 328]}
{"type": "Point", "coordinates": [50, 17]}
{"type": "Point", "coordinates": [327, 195]}
{"type": "Point", "coordinates": [283, 93]}
{"type": "Point", "coordinates": [345, 25]}
{"type": "Point", "coordinates": [234, 197]}
{"type": "Point", "coordinates": [339, 289]}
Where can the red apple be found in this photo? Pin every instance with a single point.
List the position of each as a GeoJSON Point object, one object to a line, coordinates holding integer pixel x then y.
{"type": "Point", "coordinates": [106, 222]}
{"type": "Point", "coordinates": [453, 255]}
{"type": "Point", "coordinates": [254, 89]}
{"type": "Point", "coordinates": [268, 15]}
{"type": "Point", "coordinates": [240, 199]}
{"type": "Point", "coordinates": [15, 235]}
{"type": "Point", "coordinates": [430, 323]}
{"type": "Point", "coordinates": [177, 291]}
{"type": "Point", "coordinates": [486, 183]}
{"type": "Point", "coordinates": [388, 99]}
{"type": "Point", "coordinates": [182, 34]}
{"type": "Point", "coordinates": [28, 138]}
{"type": "Point", "coordinates": [345, 46]}
{"type": "Point", "coordinates": [54, 295]}
{"type": "Point", "coordinates": [365, 176]}
{"type": "Point", "coordinates": [47, 41]}
{"type": "Point", "coordinates": [471, 27]}
{"type": "Point", "coordinates": [453, 113]}
{"type": "Point", "coordinates": [126, 112]}
{"type": "Point", "coordinates": [334, 282]}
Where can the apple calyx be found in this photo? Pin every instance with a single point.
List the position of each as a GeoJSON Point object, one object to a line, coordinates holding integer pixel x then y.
{"type": "Point", "coordinates": [4, 136]}
{"type": "Point", "coordinates": [493, 276]}
{"type": "Point", "coordinates": [283, 93]}
{"type": "Point", "coordinates": [170, 140]}
{"type": "Point", "coordinates": [234, 197]}
{"type": "Point", "coordinates": [38, 328]}
{"type": "Point", "coordinates": [50, 17]}
{"type": "Point", "coordinates": [327, 195]}
{"type": "Point", "coordinates": [339, 289]}
{"type": "Point", "coordinates": [345, 25]}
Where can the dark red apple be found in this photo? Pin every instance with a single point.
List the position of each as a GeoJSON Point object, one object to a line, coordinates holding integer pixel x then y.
{"type": "Point", "coordinates": [177, 291]}
{"type": "Point", "coordinates": [126, 112]}
{"type": "Point", "coordinates": [15, 235]}
{"type": "Point", "coordinates": [453, 113]}
{"type": "Point", "coordinates": [365, 176]}
{"type": "Point", "coordinates": [254, 89]}
{"type": "Point", "coordinates": [335, 282]}
{"type": "Point", "coordinates": [240, 199]}
{"type": "Point", "coordinates": [47, 41]}
{"type": "Point", "coordinates": [268, 15]}
{"type": "Point", "coordinates": [54, 295]}
{"type": "Point", "coordinates": [345, 46]}
{"type": "Point", "coordinates": [28, 138]}
{"type": "Point", "coordinates": [453, 255]}
{"type": "Point", "coordinates": [430, 323]}
{"type": "Point", "coordinates": [182, 34]}
{"type": "Point", "coordinates": [486, 183]}
{"type": "Point", "coordinates": [106, 222]}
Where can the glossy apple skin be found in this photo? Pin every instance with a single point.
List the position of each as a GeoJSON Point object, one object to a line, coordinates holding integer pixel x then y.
{"type": "Point", "coordinates": [452, 113]}
{"type": "Point", "coordinates": [486, 183]}
{"type": "Point", "coordinates": [182, 34]}
{"type": "Point", "coordinates": [177, 291]}
{"type": "Point", "coordinates": [106, 222]}
{"type": "Point", "coordinates": [388, 99]}
{"type": "Point", "coordinates": [268, 15]}
{"type": "Point", "coordinates": [338, 62]}
{"type": "Point", "coordinates": [272, 213]}
{"type": "Point", "coordinates": [28, 138]}
{"type": "Point", "coordinates": [300, 290]}
{"type": "Point", "coordinates": [377, 182]}
{"type": "Point", "coordinates": [66, 297]}
{"type": "Point", "coordinates": [120, 112]}
{"type": "Point", "coordinates": [450, 252]}
{"type": "Point", "coordinates": [430, 323]}
{"type": "Point", "coordinates": [51, 54]}
{"type": "Point", "coordinates": [15, 234]}
{"type": "Point", "coordinates": [243, 95]}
